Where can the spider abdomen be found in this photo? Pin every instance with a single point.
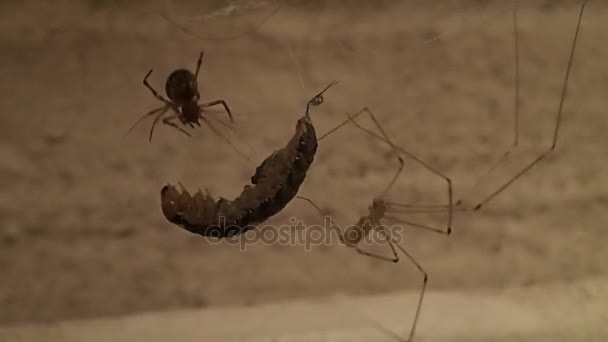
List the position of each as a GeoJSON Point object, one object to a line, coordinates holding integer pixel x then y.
{"type": "Point", "coordinates": [181, 87]}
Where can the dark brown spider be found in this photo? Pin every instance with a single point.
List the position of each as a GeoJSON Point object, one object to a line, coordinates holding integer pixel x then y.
{"type": "Point", "coordinates": [182, 89]}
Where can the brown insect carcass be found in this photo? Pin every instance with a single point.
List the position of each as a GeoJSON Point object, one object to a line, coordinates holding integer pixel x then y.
{"type": "Point", "coordinates": [275, 183]}
{"type": "Point", "coordinates": [182, 89]}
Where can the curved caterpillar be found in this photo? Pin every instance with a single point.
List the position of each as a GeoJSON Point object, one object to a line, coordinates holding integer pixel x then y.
{"type": "Point", "coordinates": [275, 183]}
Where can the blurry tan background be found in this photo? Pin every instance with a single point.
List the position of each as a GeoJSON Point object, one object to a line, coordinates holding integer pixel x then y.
{"type": "Point", "coordinates": [82, 234]}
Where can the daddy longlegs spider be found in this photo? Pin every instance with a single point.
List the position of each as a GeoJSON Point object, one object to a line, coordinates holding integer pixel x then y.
{"type": "Point", "coordinates": [384, 210]}
{"type": "Point", "coordinates": [380, 207]}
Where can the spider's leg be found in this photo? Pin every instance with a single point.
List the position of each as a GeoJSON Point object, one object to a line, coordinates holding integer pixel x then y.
{"type": "Point", "coordinates": [150, 113]}
{"type": "Point", "coordinates": [156, 121]}
{"type": "Point", "coordinates": [198, 64]}
{"type": "Point", "coordinates": [169, 121]}
{"type": "Point", "coordinates": [215, 103]}
{"type": "Point", "coordinates": [154, 92]}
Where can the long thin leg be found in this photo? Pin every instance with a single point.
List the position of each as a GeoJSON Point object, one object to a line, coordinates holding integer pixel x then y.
{"type": "Point", "coordinates": [154, 92]}
{"type": "Point", "coordinates": [391, 144]}
{"type": "Point", "coordinates": [422, 290]}
{"type": "Point", "coordinates": [150, 113]}
{"type": "Point", "coordinates": [386, 138]}
{"type": "Point", "coordinates": [156, 121]}
{"type": "Point", "coordinates": [425, 280]}
{"type": "Point", "coordinates": [418, 208]}
{"type": "Point", "coordinates": [394, 259]}
{"type": "Point", "coordinates": [515, 144]}
{"type": "Point", "coordinates": [396, 219]}
{"type": "Point", "coordinates": [386, 237]}
{"type": "Point", "coordinates": [395, 177]}
{"type": "Point", "coordinates": [215, 103]}
{"type": "Point", "coordinates": [383, 137]}
{"type": "Point", "coordinates": [198, 64]}
{"type": "Point", "coordinates": [557, 123]}
{"type": "Point", "coordinates": [168, 121]}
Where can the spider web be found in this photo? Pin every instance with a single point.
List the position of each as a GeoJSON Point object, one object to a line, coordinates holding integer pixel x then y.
{"type": "Point", "coordinates": [424, 30]}
{"type": "Point", "coordinates": [219, 21]}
